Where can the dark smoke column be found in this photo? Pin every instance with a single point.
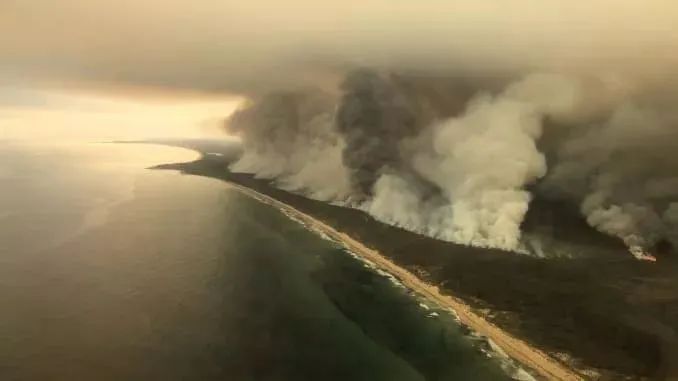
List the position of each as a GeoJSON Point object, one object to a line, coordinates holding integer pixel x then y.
{"type": "Point", "coordinates": [372, 117]}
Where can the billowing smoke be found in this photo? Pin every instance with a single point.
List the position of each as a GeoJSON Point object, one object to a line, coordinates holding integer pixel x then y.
{"type": "Point", "coordinates": [402, 149]}
{"type": "Point", "coordinates": [451, 134]}
{"type": "Point", "coordinates": [290, 137]}
{"type": "Point", "coordinates": [373, 117]}
{"type": "Point", "coordinates": [622, 172]}
{"type": "Point", "coordinates": [481, 162]}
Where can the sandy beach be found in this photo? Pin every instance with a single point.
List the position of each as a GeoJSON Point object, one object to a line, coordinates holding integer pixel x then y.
{"type": "Point", "coordinates": [603, 316]}
{"type": "Point", "coordinates": [532, 358]}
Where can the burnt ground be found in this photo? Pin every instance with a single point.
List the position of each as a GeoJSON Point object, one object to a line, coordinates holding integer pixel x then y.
{"type": "Point", "coordinates": [604, 310]}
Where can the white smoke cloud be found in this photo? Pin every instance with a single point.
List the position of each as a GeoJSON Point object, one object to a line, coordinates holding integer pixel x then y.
{"type": "Point", "coordinates": [481, 161]}
{"type": "Point", "coordinates": [467, 174]}
{"type": "Point", "coordinates": [397, 202]}
{"type": "Point", "coordinates": [469, 178]}
{"type": "Point", "coordinates": [289, 138]}
{"type": "Point", "coordinates": [451, 142]}
{"type": "Point", "coordinates": [620, 169]}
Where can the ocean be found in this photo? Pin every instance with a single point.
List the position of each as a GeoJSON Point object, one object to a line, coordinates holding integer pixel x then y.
{"type": "Point", "coordinates": [113, 271]}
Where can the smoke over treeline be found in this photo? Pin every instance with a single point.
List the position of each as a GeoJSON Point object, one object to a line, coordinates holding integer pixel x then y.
{"type": "Point", "coordinates": [468, 109]}
{"type": "Point", "coordinates": [462, 162]}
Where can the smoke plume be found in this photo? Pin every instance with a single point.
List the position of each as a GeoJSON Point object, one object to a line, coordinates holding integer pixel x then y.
{"type": "Point", "coordinates": [372, 117]}
{"type": "Point", "coordinates": [290, 137]}
{"type": "Point", "coordinates": [402, 149]}
{"type": "Point", "coordinates": [467, 113]}
{"type": "Point", "coordinates": [621, 170]}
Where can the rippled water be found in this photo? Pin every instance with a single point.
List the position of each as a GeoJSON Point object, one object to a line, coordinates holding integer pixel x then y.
{"type": "Point", "coordinates": [109, 271]}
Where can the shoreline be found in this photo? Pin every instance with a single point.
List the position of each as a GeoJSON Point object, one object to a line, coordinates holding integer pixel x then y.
{"type": "Point", "coordinates": [518, 350]}
{"type": "Point", "coordinates": [598, 316]}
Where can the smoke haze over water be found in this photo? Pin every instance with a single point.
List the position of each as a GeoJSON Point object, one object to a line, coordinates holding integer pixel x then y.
{"type": "Point", "coordinates": [445, 118]}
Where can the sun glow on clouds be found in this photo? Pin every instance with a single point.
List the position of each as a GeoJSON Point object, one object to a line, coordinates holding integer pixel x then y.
{"type": "Point", "coordinates": [37, 114]}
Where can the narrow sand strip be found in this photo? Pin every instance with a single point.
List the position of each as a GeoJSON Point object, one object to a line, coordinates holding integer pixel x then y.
{"type": "Point", "coordinates": [515, 348]}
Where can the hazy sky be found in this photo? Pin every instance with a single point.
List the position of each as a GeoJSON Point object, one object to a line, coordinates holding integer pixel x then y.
{"type": "Point", "coordinates": [246, 45]}
{"type": "Point", "coordinates": [172, 49]}
{"type": "Point", "coordinates": [49, 114]}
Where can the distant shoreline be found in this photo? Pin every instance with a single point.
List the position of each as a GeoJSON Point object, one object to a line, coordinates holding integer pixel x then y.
{"type": "Point", "coordinates": [534, 359]}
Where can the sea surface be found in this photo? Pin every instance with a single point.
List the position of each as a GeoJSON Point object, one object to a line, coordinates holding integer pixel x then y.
{"type": "Point", "coordinates": [112, 271]}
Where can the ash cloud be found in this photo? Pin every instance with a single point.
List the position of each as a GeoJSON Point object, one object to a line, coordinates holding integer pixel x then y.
{"type": "Point", "coordinates": [622, 171]}
{"type": "Point", "coordinates": [259, 46]}
{"type": "Point", "coordinates": [466, 112]}
{"type": "Point", "coordinates": [290, 138]}
{"type": "Point", "coordinates": [409, 155]}
{"type": "Point", "coordinates": [373, 117]}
